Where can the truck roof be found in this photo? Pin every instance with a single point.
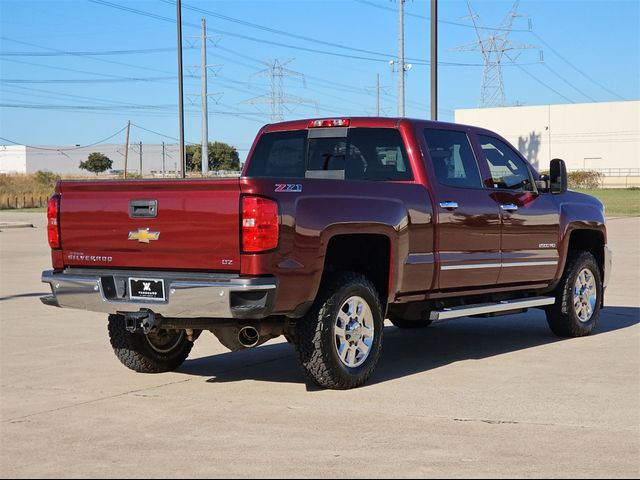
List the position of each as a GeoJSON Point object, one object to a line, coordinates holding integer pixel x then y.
{"type": "Point", "coordinates": [362, 122]}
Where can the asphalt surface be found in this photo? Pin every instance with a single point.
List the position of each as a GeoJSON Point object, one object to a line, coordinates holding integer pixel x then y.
{"type": "Point", "coordinates": [497, 397]}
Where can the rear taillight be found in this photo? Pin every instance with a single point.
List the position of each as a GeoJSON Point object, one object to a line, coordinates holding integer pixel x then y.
{"type": "Point", "coordinates": [53, 221]}
{"type": "Point", "coordinates": [259, 224]}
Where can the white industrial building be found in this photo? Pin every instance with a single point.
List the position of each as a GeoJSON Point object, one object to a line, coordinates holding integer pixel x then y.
{"type": "Point", "coordinates": [65, 160]}
{"type": "Point", "coordinates": [587, 136]}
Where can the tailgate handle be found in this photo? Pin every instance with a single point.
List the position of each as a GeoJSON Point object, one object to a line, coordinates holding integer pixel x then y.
{"type": "Point", "coordinates": [143, 208]}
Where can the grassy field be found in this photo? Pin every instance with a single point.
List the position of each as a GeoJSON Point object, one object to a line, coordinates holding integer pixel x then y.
{"type": "Point", "coordinates": [617, 201]}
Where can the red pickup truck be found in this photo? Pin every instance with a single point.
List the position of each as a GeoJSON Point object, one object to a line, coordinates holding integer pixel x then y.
{"type": "Point", "coordinates": [334, 225]}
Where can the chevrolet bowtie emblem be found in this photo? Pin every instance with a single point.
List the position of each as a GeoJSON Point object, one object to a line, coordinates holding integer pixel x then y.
{"type": "Point", "coordinates": [143, 235]}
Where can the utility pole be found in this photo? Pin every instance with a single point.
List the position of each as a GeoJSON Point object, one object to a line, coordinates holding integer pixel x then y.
{"type": "Point", "coordinates": [434, 60]}
{"type": "Point", "coordinates": [401, 58]}
{"type": "Point", "coordinates": [140, 157]}
{"type": "Point", "coordinates": [180, 88]}
{"type": "Point", "coordinates": [205, 111]}
{"type": "Point", "coordinates": [126, 149]}
{"type": "Point", "coordinates": [163, 159]}
{"type": "Point", "coordinates": [377, 94]}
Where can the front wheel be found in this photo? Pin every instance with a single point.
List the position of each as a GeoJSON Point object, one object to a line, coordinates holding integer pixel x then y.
{"type": "Point", "coordinates": [578, 297]}
{"type": "Point", "coordinates": [160, 351]}
{"type": "Point", "coordinates": [340, 338]}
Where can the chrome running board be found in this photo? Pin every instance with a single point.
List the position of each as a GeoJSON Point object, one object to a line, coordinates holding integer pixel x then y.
{"type": "Point", "coordinates": [483, 308]}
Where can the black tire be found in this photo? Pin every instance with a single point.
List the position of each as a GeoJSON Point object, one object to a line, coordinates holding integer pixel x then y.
{"type": "Point", "coordinates": [404, 323]}
{"type": "Point", "coordinates": [155, 353]}
{"type": "Point", "coordinates": [562, 316]}
{"type": "Point", "coordinates": [316, 341]}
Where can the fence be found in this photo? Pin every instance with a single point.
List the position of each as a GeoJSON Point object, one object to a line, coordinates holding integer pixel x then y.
{"type": "Point", "coordinates": [613, 172]}
{"type": "Point", "coordinates": [12, 202]}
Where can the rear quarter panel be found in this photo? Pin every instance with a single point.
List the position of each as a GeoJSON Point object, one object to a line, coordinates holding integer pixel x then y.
{"type": "Point", "coordinates": [401, 211]}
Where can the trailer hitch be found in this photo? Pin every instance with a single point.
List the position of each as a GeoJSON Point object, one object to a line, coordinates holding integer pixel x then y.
{"type": "Point", "coordinates": [143, 321]}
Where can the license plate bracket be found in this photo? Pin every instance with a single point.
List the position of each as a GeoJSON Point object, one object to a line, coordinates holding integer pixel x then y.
{"type": "Point", "coordinates": [146, 289]}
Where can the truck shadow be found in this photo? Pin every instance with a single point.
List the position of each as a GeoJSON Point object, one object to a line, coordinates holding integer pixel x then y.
{"type": "Point", "coordinates": [407, 352]}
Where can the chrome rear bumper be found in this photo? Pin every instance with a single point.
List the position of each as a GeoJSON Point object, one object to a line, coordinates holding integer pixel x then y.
{"type": "Point", "coordinates": [186, 295]}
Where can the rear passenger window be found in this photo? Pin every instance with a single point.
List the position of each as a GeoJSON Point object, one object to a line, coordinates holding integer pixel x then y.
{"type": "Point", "coordinates": [365, 154]}
{"type": "Point", "coordinates": [453, 160]}
{"type": "Point", "coordinates": [279, 154]}
{"type": "Point", "coordinates": [376, 154]}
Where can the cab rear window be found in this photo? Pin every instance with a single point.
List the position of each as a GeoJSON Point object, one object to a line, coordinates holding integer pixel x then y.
{"type": "Point", "coordinates": [375, 154]}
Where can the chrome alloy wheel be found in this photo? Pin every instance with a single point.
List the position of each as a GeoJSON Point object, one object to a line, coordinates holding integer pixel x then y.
{"type": "Point", "coordinates": [585, 295]}
{"type": "Point", "coordinates": [354, 332]}
{"type": "Point", "coordinates": [164, 341]}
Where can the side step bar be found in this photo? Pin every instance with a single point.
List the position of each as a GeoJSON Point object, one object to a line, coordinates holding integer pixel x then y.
{"type": "Point", "coordinates": [481, 308]}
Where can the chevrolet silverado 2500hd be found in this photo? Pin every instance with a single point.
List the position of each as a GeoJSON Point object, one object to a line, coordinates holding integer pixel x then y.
{"type": "Point", "coordinates": [334, 225]}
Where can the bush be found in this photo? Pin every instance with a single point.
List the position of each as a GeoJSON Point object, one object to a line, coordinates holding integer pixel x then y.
{"type": "Point", "coordinates": [585, 179]}
{"type": "Point", "coordinates": [46, 179]}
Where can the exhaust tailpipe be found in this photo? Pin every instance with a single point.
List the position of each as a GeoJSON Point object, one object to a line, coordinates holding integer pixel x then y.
{"type": "Point", "coordinates": [248, 337]}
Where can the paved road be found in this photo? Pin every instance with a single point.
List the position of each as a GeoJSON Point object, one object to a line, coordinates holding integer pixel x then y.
{"type": "Point", "coordinates": [496, 397]}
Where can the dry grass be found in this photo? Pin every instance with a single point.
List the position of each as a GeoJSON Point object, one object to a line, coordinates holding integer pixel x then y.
{"type": "Point", "coordinates": [26, 190]}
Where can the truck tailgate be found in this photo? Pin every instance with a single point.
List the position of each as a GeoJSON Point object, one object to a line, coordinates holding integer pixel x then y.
{"type": "Point", "coordinates": [195, 225]}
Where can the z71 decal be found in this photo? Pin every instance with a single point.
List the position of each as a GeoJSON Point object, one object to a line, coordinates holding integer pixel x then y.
{"type": "Point", "coordinates": [288, 187]}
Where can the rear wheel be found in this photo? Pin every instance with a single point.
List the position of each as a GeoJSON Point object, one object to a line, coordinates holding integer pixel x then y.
{"type": "Point", "coordinates": [340, 339]}
{"type": "Point", "coordinates": [578, 297]}
{"type": "Point", "coordinates": [157, 352]}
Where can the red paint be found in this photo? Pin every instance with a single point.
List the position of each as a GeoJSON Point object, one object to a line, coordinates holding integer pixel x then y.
{"type": "Point", "coordinates": [201, 225]}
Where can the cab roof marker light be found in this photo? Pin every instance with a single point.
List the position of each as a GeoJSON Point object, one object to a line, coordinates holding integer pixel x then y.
{"type": "Point", "coordinates": [329, 122]}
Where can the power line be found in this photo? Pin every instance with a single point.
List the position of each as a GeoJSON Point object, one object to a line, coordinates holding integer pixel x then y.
{"type": "Point", "coordinates": [84, 80]}
{"type": "Point", "coordinates": [279, 32]}
{"type": "Point", "coordinates": [568, 82]}
{"type": "Point", "coordinates": [535, 34]}
{"type": "Point", "coordinates": [383, 56]}
{"type": "Point", "coordinates": [541, 82]}
{"type": "Point", "coordinates": [53, 94]}
{"type": "Point", "coordinates": [158, 133]}
{"type": "Point", "coordinates": [588, 77]}
{"type": "Point", "coordinates": [88, 107]}
{"type": "Point", "coordinates": [67, 149]}
{"type": "Point", "coordinates": [424, 17]}
{"type": "Point", "coordinates": [103, 60]}
{"type": "Point", "coordinates": [64, 69]}
{"type": "Point", "coordinates": [88, 53]}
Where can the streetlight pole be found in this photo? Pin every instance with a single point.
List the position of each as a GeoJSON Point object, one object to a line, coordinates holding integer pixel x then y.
{"type": "Point", "coordinates": [180, 88]}
{"type": "Point", "coordinates": [434, 59]}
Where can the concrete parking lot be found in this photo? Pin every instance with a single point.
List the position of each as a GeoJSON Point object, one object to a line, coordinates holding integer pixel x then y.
{"type": "Point", "coordinates": [496, 397]}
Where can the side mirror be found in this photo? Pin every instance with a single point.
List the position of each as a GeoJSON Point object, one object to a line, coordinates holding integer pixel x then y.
{"type": "Point", "coordinates": [558, 176]}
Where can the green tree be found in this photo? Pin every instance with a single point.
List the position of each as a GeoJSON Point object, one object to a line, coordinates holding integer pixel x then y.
{"type": "Point", "coordinates": [96, 163]}
{"type": "Point", "coordinates": [222, 156]}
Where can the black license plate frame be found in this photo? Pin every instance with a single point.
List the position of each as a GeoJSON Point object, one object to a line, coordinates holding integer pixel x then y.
{"type": "Point", "coordinates": [149, 289]}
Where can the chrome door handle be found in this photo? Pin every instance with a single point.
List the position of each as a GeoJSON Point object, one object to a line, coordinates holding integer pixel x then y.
{"type": "Point", "coordinates": [509, 207]}
{"type": "Point", "coordinates": [449, 205]}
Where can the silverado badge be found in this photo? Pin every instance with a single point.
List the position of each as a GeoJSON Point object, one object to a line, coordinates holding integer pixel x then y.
{"type": "Point", "coordinates": [143, 235]}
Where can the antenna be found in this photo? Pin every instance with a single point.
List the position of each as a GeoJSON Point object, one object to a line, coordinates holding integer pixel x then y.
{"type": "Point", "coordinates": [493, 47]}
{"type": "Point", "coordinates": [276, 96]}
